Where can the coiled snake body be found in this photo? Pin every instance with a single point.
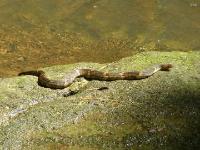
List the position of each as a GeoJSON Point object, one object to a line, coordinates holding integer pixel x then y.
{"type": "Point", "coordinates": [89, 74]}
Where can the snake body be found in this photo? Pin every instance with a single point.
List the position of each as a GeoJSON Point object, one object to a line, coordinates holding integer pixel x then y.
{"type": "Point", "coordinates": [90, 74]}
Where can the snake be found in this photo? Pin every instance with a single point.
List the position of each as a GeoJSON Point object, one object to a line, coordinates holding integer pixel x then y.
{"type": "Point", "coordinates": [90, 74]}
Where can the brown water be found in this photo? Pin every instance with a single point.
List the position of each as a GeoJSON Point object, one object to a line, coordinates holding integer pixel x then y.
{"type": "Point", "coordinates": [38, 33]}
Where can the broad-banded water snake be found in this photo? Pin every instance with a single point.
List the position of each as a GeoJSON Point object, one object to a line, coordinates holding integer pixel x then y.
{"type": "Point", "coordinates": [90, 74]}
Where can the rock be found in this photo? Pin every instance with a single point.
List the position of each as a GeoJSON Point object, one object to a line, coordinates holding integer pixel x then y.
{"type": "Point", "coordinates": [160, 112]}
{"type": "Point", "coordinates": [21, 59]}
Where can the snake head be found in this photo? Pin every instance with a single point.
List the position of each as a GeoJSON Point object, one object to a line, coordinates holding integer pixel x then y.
{"type": "Point", "coordinates": [165, 67]}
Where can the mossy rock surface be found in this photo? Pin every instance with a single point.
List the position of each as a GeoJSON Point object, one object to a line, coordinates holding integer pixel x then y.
{"type": "Point", "coordinates": [160, 112]}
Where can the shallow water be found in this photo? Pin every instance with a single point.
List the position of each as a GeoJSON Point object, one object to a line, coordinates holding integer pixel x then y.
{"type": "Point", "coordinates": [40, 33]}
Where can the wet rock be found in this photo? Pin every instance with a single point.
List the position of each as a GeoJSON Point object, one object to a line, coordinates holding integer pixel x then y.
{"type": "Point", "coordinates": [12, 47]}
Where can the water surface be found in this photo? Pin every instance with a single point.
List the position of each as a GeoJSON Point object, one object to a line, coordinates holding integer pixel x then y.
{"type": "Point", "coordinates": [38, 33]}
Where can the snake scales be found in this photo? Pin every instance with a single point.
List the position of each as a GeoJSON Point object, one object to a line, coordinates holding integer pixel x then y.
{"type": "Point", "coordinates": [89, 74]}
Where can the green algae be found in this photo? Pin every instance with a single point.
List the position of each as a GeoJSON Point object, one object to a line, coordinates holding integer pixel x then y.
{"type": "Point", "coordinates": [161, 112]}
